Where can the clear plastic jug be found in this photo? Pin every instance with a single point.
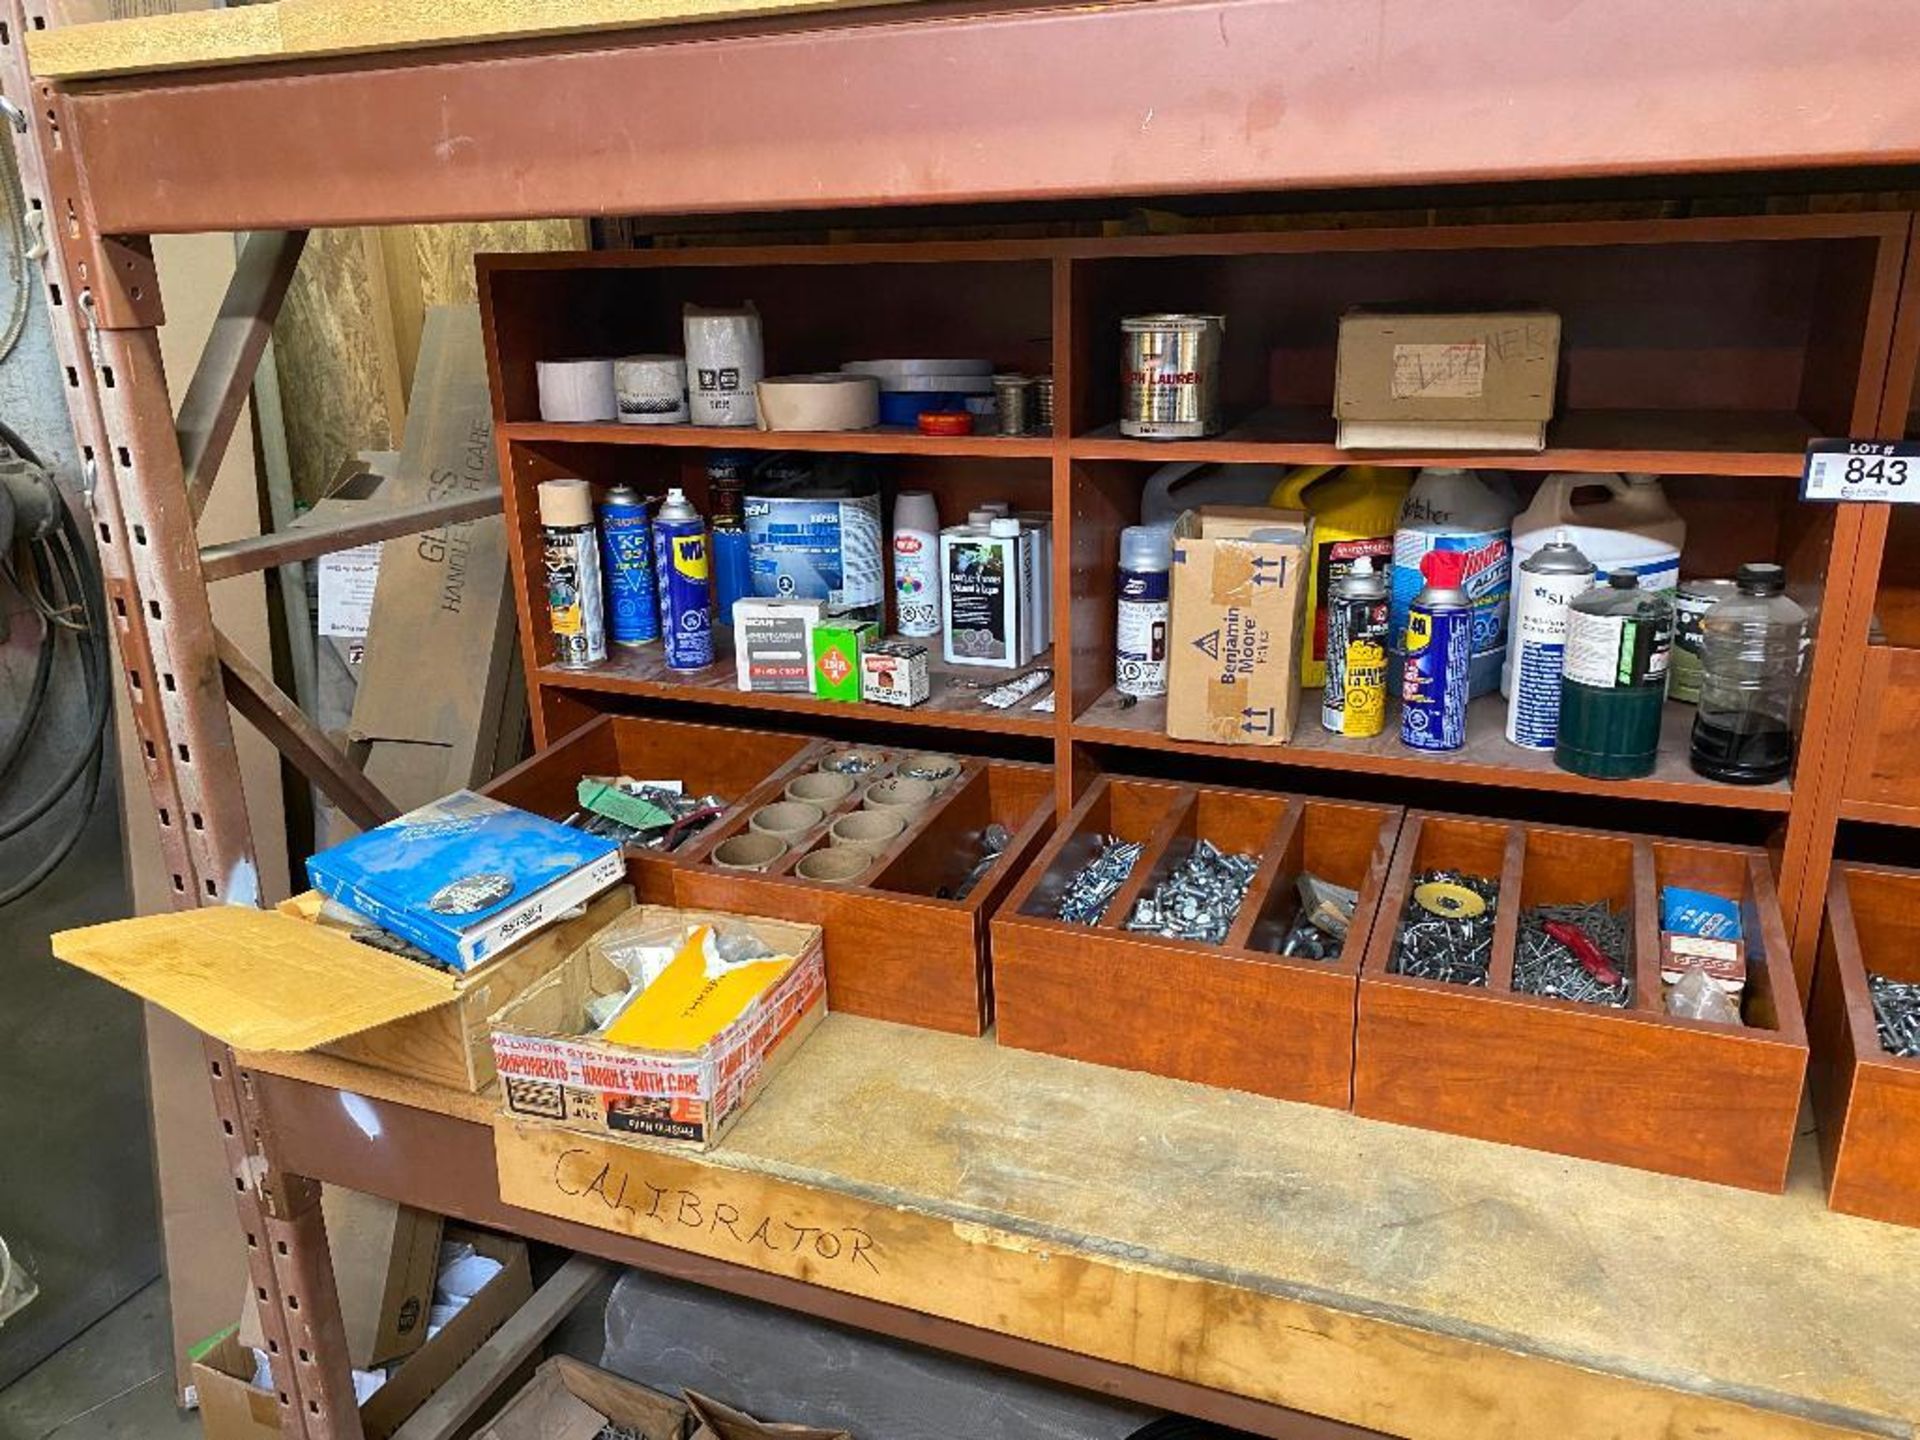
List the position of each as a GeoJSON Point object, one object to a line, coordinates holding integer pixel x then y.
{"type": "Point", "coordinates": [1752, 645]}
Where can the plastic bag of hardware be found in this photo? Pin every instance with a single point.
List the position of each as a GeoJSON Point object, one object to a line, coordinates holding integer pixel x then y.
{"type": "Point", "coordinates": [1696, 997]}
{"type": "Point", "coordinates": [642, 944]}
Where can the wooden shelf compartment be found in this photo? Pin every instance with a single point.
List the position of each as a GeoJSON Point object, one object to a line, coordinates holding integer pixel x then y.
{"type": "Point", "coordinates": [730, 762]}
{"type": "Point", "coordinates": [1882, 779]}
{"type": "Point", "coordinates": [899, 946]}
{"type": "Point", "coordinates": [1239, 1014]}
{"type": "Point", "coordinates": [1631, 1086]}
{"type": "Point", "coordinates": [1866, 1102]}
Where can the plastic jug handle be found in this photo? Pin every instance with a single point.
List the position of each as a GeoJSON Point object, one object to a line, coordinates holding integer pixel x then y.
{"type": "Point", "coordinates": [1570, 485]}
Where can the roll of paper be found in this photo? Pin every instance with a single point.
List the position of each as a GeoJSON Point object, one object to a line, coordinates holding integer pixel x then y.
{"type": "Point", "coordinates": [819, 402]}
{"type": "Point", "coordinates": [725, 360]}
{"type": "Point", "coordinates": [651, 389]}
{"type": "Point", "coordinates": [575, 391]}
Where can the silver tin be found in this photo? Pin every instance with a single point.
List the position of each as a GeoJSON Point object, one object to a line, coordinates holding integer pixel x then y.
{"type": "Point", "coordinates": [1170, 378]}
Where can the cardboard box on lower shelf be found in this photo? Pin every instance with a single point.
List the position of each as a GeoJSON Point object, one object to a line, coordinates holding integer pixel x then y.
{"type": "Point", "coordinates": [722, 1422]}
{"type": "Point", "coordinates": [570, 1400]}
{"type": "Point", "coordinates": [704, 1027]}
{"type": "Point", "coordinates": [386, 1258]}
{"type": "Point", "coordinates": [232, 1408]}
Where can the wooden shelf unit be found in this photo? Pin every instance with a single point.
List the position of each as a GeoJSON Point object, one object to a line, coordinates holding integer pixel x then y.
{"type": "Point", "coordinates": [1707, 351]}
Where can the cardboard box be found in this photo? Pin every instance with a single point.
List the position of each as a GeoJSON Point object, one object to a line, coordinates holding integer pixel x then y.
{"type": "Point", "coordinates": [773, 644]}
{"type": "Point", "coordinates": [231, 1409]}
{"type": "Point", "coordinates": [385, 1257]}
{"type": "Point", "coordinates": [894, 672]}
{"type": "Point", "coordinates": [570, 1400]}
{"type": "Point", "coordinates": [552, 1069]}
{"type": "Point", "coordinates": [837, 648]}
{"type": "Point", "coordinates": [722, 1422]}
{"type": "Point", "coordinates": [1239, 601]}
{"type": "Point", "coordinates": [1467, 380]}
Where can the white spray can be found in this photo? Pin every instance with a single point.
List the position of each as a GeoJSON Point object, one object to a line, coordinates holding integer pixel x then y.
{"type": "Point", "coordinates": [1547, 582]}
{"type": "Point", "coordinates": [916, 563]}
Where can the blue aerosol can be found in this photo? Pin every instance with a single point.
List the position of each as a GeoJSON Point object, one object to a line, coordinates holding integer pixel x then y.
{"type": "Point", "coordinates": [1439, 657]}
{"type": "Point", "coordinates": [686, 585]}
{"type": "Point", "coordinates": [626, 546]}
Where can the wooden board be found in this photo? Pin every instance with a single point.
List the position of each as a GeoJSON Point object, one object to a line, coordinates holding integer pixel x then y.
{"type": "Point", "coordinates": [294, 29]}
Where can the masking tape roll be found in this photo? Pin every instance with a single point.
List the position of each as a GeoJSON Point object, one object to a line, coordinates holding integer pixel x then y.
{"type": "Point", "coordinates": [651, 389]}
{"type": "Point", "coordinates": [819, 402]}
{"type": "Point", "coordinates": [575, 391]}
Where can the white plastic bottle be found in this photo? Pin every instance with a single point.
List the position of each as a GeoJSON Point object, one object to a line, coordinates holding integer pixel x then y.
{"type": "Point", "coordinates": [1451, 509]}
{"type": "Point", "coordinates": [916, 563]}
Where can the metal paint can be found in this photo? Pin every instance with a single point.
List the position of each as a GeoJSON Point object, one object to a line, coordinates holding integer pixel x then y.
{"type": "Point", "coordinates": [626, 545]}
{"type": "Point", "coordinates": [686, 587]}
{"type": "Point", "coordinates": [1690, 605]}
{"type": "Point", "coordinates": [1548, 581]}
{"type": "Point", "coordinates": [1354, 702]}
{"type": "Point", "coordinates": [1013, 403]}
{"type": "Point", "coordinates": [1439, 657]}
{"type": "Point", "coordinates": [1170, 376]}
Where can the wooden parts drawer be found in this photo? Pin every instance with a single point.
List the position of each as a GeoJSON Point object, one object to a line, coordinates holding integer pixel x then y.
{"type": "Point", "coordinates": [1883, 766]}
{"type": "Point", "coordinates": [1867, 1101]}
{"type": "Point", "coordinates": [707, 759]}
{"type": "Point", "coordinates": [1237, 1014]}
{"type": "Point", "coordinates": [903, 942]}
{"type": "Point", "coordinates": [1633, 1086]}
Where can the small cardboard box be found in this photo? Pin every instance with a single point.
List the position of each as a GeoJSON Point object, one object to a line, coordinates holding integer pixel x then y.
{"type": "Point", "coordinates": [723, 1422]}
{"type": "Point", "coordinates": [838, 646]}
{"type": "Point", "coordinates": [894, 672]}
{"type": "Point", "coordinates": [773, 645]}
{"type": "Point", "coordinates": [231, 1409]}
{"type": "Point", "coordinates": [551, 1068]}
{"type": "Point", "coordinates": [1239, 601]}
{"type": "Point", "coordinates": [1467, 380]}
{"type": "Point", "coordinates": [385, 1259]}
{"type": "Point", "coordinates": [570, 1400]}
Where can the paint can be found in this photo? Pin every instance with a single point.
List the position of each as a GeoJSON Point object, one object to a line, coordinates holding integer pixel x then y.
{"type": "Point", "coordinates": [626, 544]}
{"type": "Point", "coordinates": [1354, 702]}
{"type": "Point", "coordinates": [571, 559]}
{"type": "Point", "coordinates": [1439, 656]}
{"type": "Point", "coordinates": [1170, 376]}
{"type": "Point", "coordinates": [1548, 581]}
{"type": "Point", "coordinates": [686, 588]}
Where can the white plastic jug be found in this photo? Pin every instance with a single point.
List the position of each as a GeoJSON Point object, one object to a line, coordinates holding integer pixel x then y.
{"type": "Point", "coordinates": [1449, 509]}
{"type": "Point", "coordinates": [1188, 485]}
{"type": "Point", "coordinates": [1633, 528]}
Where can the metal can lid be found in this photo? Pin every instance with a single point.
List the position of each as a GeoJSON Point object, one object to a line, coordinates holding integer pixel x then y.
{"type": "Point", "coordinates": [945, 422]}
{"type": "Point", "coordinates": [1137, 324]}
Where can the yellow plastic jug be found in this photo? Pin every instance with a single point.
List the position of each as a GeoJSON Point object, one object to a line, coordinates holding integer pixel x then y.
{"type": "Point", "coordinates": [1354, 509]}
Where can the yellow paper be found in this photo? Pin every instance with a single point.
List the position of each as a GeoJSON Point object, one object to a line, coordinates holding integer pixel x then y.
{"type": "Point", "coordinates": [683, 1009]}
{"type": "Point", "coordinates": [256, 979]}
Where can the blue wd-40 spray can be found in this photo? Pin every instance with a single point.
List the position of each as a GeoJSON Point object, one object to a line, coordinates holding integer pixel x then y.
{"type": "Point", "coordinates": [626, 544]}
{"type": "Point", "coordinates": [686, 586]}
{"type": "Point", "coordinates": [1439, 650]}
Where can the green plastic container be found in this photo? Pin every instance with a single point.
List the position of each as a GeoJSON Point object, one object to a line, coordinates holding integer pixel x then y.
{"type": "Point", "coordinates": [1614, 680]}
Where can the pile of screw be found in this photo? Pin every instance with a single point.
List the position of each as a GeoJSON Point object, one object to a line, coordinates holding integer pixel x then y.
{"type": "Point", "coordinates": [1896, 1006]}
{"type": "Point", "coordinates": [1543, 965]}
{"type": "Point", "coordinates": [1199, 900]}
{"type": "Point", "coordinates": [1433, 947]}
{"type": "Point", "coordinates": [1094, 884]}
{"type": "Point", "coordinates": [1326, 914]}
{"type": "Point", "coordinates": [993, 841]}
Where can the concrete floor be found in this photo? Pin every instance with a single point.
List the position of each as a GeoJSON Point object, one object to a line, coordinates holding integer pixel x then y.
{"type": "Point", "coordinates": [114, 1381]}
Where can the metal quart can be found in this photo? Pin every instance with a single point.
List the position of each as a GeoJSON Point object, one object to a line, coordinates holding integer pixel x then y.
{"type": "Point", "coordinates": [1354, 702]}
{"type": "Point", "coordinates": [1170, 376]}
{"type": "Point", "coordinates": [1439, 657]}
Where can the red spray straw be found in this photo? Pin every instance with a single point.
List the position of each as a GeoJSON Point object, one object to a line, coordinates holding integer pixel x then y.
{"type": "Point", "coordinates": [1444, 569]}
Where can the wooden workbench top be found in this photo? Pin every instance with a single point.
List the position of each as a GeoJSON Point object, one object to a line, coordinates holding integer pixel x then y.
{"type": "Point", "coordinates": [312, 29]}
{"type": "Point", "coordinates": [1388, 1277]}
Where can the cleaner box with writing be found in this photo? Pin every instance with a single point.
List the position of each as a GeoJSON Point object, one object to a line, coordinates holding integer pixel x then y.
{"type": "Point", "coordinates": [1239, 602]}
{"type": "Point", "coordinates": [980, 583]}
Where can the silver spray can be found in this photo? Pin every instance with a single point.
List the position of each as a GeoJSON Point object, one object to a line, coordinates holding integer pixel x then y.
{"type": "Point", "coordinates": [1170, 376]}
{"type": "Point", "coordinates": [1547, 582]}
{"type": "Point", "coordinates": [570, 557]}
{"type": "Point", "coordinates": [1140, 631]}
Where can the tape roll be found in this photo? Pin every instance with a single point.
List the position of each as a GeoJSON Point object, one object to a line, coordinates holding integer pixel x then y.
{"type": "Point", "coordinates": [725, 360]}
{"type": "Point", "coordinates": [888, 372]}
{"type": "Point", "coordinates": [819, 402]}
{"type": "Point", "coordinates": [576, 391]}
{"type": "Point", "coordinates": [651, 389]}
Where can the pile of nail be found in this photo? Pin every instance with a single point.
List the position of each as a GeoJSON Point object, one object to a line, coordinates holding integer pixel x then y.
{"type": "Point", "coordinates": [1326, 915]}
{"type": "Point", "coordinates": [1896, 1007]}
{"type": "Point", "coordinates": [1094, 884]}
{"type": "Point", "coordinates": [1456, 949]}
{"type": "Point", "coordinates": [1550, 964]}
{"type": "Point", "coordinates": [1199, 900]}
{"type": "Point", "coordinates": [993, 840]}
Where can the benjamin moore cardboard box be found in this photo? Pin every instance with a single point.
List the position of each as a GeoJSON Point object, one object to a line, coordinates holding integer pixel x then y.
{"type": "Point", "coordinates": [1239, 601]}
{"type": "Point", "coordinates": [1467, 380]}
{"type": "Point", "coordinates": [385, 1257]}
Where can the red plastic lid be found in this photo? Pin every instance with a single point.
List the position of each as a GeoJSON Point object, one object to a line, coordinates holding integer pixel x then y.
{"type": "Point", "coordinates": [946, 422]}
{"type": "Point", "coordinates": [1444, 569]}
